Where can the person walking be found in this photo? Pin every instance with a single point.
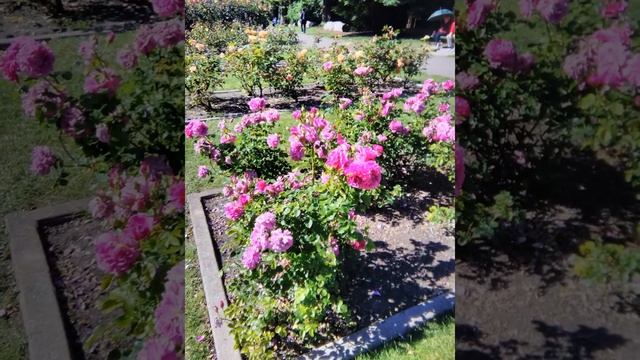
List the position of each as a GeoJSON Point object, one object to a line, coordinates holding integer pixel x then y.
{"type": "Point", "coordinates": [303, 21]}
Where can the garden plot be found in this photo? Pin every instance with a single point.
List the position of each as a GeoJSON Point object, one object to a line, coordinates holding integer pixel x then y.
{"type": "Point", "coordinates": [413, 261]}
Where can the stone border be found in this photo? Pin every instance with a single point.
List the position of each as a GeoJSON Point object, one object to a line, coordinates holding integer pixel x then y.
{"type": "Point", "coordinates": [375, 335]}
{"type": "Point", "coordinates": [41, 315]}
{"type": "Point", "coordinates": [214, 291]}
{"type": "Point", "coordinates": [348, 347]}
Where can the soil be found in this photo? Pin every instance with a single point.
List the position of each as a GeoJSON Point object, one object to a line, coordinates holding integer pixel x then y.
{"type": "Point", "coordinates": [519, 297]}
{"type": "Point", "coordinates": [76, 277]}
{"type": "Point", "coordinates": [412, 262]}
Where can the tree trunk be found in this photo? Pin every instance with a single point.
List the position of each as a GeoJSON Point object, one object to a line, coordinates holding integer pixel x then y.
{"type": "Point", "coordinates": [59, 6]}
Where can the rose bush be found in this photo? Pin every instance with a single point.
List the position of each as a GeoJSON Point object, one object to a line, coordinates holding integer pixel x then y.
{"type": "Point", "coordinates": [128, 123]}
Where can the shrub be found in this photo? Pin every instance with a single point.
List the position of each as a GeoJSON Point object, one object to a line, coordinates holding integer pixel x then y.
{"type": "Point", "coordinates": [228, 11]}
{"type": "Point", "coordinates": [313, 10]}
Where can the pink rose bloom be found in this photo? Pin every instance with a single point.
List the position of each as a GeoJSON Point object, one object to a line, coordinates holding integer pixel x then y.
{"type": "Point", "coordinates": [101, 80]}
{"type": "Point", "coordinates": [527, 7]}
{"type": "Point", "coordinates": [478, 11]}
{"type": "Point", "coordinates": [102, 133]}
{"type": "Point", "coordinates": [613, 9]}
{"type": "Point", "coordinates": [196, 128]}
{"type": "Point", "coordinates": [257, 104]}
{"type": "Point", "coordinates": [116, 253]}
{"type": "Point", "coordinates": [392, 94]}
{"type": "Point", "coordinates": [345, 103]}
{"type": "Point", "coordinates": [170, 311]}
{"type": "Point", "coordinates": [363, 70]}
{"type": "Point", "coordinates": [386, 109]}
{"type": "Point", "coordinates": [440, 129]}
{"type": "Point", "coordinates": [271, 116]}
{"type": "Point", "coordinates": [296, 149]}
{"type": "Point", "coordinates": [397, 127]}
{"type": "Point", "coordinates": [168, 33]}
{"type": "Point", "coordinates": [466, 81]}
{"type": "Point", "coordinates": [366, 153]}
{"type": "Point", "coordinates": [631, 71]}
{"type": "Point", "coordinates": [296, 114]}
{"type": "Point", "coordinates": [360, 245]}
{"type": "Point", "coordinates": [338, 158]}
{"type": "Point", "coordinates": [327, 66]}
{"type": "Point", "coordinates": [176, 194]}
{"type": "Point", "coordinates": [448, 85]}
{"type": "Point", "coordinates": [101, 207]}
{"type": "Point", "coordinates": [145, 41]}
{"type": "Point", "coordinates": [365, 175]}
{"type": "Point", "coordinates": [266, 221]}
{"type": "Point", "coordinates": [501, 54]}
{"type": "Point", "coordinates": [334, 246]}
{"type": "Point", "coordinates": [139, 226]}
{"type": "Point", "coordinates": [463, 110]}
{"type": "Point", "coordinates": [553, 11]}
{"type": "Point", "coordinates": [251, 257]}
{"type": "Point", "coordinates": [576, 65]}
{"type": "Point", "coordinates": [34, 58]}
{"type": "Point", "coordinates": [259, 238]}
{"type": "Point", "coordinates": [227, 139]}
{"type": "Point", "coordinates": [382, 138]}
{"type": "Point", "coordinates": [9, 62]}
{"type": "Point", "coordinates": [459, 154]}
{"type": "Point", "coordinates": [324, 178]}
{"type": "Point", "coordinates": [203, 171]}
{"type": "Point", "coordinates": [42, 96]}
{"type": "Point", "coordinates": [616, 33]}
{"type": "Point", "coordinates": [244, 199]}
{"type": "Point", "coordinates": [166, 8]}
{"type": "Point", "coordinates": [42, 160]}
{"type": "Point", "coordinates": [610, 61]}
{"type": "Point", "coordinates": [73, 122]}
{"type": "Point", "coordinates": [273, 141]}
{"type": "Point", "coordinates": [525, 62]}
{"type": "Point", "coordinates": [443, 107]}
{"type": "Point", "coordinates": [158, 348]}
{"type": "Point", "coordinates": [359, 116]}
{"type": "Point", "coordinates": [127, 57]}
{"type": "Point", "coordinates": [233, 210]}
{"type": "Point", "coordinates": [280, 240]}
{"type": "Point", "coordinates": [261, 186]}
{"type": "Point", "coordinates": [415, 104]}
{"type": "Point", "coordinates": [429, 87]}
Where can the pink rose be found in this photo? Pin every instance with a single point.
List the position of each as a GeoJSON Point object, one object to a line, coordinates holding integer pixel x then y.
{"type": "Point", "coordinates": [397, 127]}
{"type": "Point", "coordinates": [359, 245]}
{"type": "Point", "coordinates": [251, 257]}
{"type": "Point", "coordinates": [116, 253]}
{"type": "Point", "coordinates": [363, 70]}
{"type": "Point", "coordinates": [338, 158]}
{"type": "Point", "coordinates": [101, 207]}
{"type": "Point", "coordinates": [234, 210]}
{"type": "Point", "coordinates": [365, 175]}
{"type": "Point", "coordinates": [139, 226]}
{"type": "Point", "coordinates": [466, 81]}
{"type": "Point", "coordinates": [166, 8]}
{"type": "Point", "coordinates": [613, 9]}
{"type": "Point", "coordinates": [327, 66]}
{"type": "Point", "coordinates": [296, 149]}
{"type": "Point", "coordinates": [501, 53]}
{"type": "Point", "coordinates": [345, 103]}
{"type": "Point", "coordinates": [196, 128]}
{"type": "Point", "coordinates": [280, 240]}
{"type": "Point", "coordinates": [203, 171]}
{"type": "Point", "coordinates": [553, 11]}
{"type": "Point", "coordinates": [257, 104]}
{"type": "Point", "coordinates": [478, 11]}
{"type": "Point", "coordinates": [127, 57]}
{"type": "Point", "coordinates": [102, 80]}
{"type": "Point", "coordinates": [227, 139]}
{"type": "Point", "coordinates": [463, 110]}
{"type": "Point", "coordinates": [102, 133]}
{"type": "Point", "coordinates": [34, 58]}
{"type": "Point", "coordinates": [440, 129]}
{"type": "Point", "coordinates": [448, 85]}
{"type": "Point", "coordinates": [527, 7]}
{"type": "Point", "coordinates": [273, 140]}
{"type": "Point", "coordinates": [42, 160]}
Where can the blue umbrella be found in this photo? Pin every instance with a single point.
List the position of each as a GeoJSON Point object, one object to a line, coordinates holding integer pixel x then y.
{"type": "Point", "coordinates": [440, 13]}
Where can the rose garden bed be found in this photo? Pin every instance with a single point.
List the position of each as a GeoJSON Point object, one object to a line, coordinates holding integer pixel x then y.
{"type": "Point", "coordinates": [405, 281]}
{"type": "Point", "coordinates": [54, 260]}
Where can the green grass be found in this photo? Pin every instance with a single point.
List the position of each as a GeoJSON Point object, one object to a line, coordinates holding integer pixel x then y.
{"type": "Point", "coordinates": [198, 339]}
{"type": "Point", "coordinates": [434, 342]}
{"type": "Point", "coordinates": [23, 191]}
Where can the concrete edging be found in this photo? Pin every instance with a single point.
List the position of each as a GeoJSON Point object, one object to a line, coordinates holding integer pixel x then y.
{"type": "Point", "coordinates": [214, 291]}
{"type": "Point", "coordinates": [348, 347]}
{"type": "Point", "coordinates": [41, 314]}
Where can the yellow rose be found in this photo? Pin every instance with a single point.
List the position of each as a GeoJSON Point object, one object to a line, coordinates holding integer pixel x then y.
{"type": "Point", "coordinates": [358, 54]}
{"type": "Point", "coordinates": [326, 56]}
{"type": "Point", "coordinates": [252, 39]}
{"type": "Point", "coordinates": [200, 47]}
{"type": "Point", "coordinates": [192, 42]}
{"type": "Point", "coordinates": [302, 53]}
{"type": "Point", "coordinates": [341, 58]}
{"type": "Point", "coordinates": [193, 68]}
{"type": "Point", "coordinates": [400, 63]}
{"type": "Point", "coordinates": [263, 34]}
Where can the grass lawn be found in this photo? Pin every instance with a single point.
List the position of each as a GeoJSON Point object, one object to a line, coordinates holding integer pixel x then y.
{"type": "Point", "coordinates": [434, 342]}
{"type": "Point", "coordinates": [357, 38]}
{"type": "Point", "coordinates": [23, 191]}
